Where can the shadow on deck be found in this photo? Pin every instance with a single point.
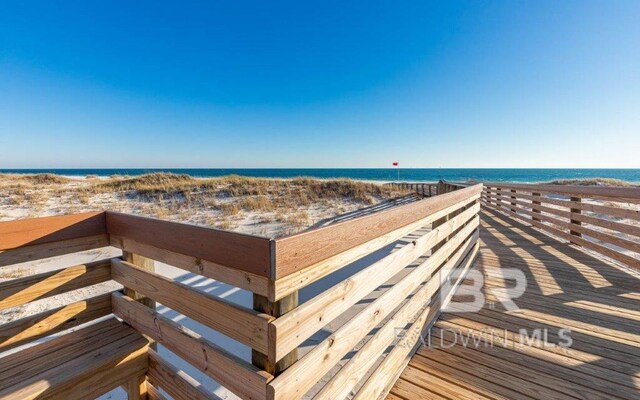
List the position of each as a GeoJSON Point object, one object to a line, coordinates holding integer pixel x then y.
{"type": "Point", "coordinates": [587, 310]}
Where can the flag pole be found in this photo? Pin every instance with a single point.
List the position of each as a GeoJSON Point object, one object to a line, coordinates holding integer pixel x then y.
{"type": "Point", "coordinates": [397, 165]}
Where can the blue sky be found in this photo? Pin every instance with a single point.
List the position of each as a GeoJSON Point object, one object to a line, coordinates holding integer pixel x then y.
{"type": "Point", "coordinates": [319, 84]}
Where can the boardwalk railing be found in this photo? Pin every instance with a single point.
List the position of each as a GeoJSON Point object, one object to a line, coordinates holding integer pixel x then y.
{"type": "Point", "coordinates": [426, 189]}
{"type": "Point", "coordinates": [274, 327]}
{"type": "Point", "coordinates": [601, 219]}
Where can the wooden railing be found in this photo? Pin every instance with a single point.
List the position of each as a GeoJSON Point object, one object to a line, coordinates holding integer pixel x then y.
{"type": "Point", "coordinates": [426, 189]}
{"type": "Point", "coordinates": [431, 239]}
{"type": "Point", "coordinates": [240, 260]}
{"type": "Point", "coordinates": [600, 219]}
{"type": "Point", "coordinates": [305, 258]}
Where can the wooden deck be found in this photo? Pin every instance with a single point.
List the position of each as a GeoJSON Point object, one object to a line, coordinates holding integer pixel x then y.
{"type": "Point", "coordinates": [566, 288]}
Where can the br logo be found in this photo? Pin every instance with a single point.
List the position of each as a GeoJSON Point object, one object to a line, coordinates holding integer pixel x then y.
{"type": "Point", "coordinates": [472, 287]}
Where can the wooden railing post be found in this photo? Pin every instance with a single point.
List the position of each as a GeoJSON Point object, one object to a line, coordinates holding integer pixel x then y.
{"type": "Point", "coordinates": [136, 387]}
{"type": "Point", "coordinates": [275, 309]}
{"type": "Point", "coordinates": [576, 211]}
{"type": "Point", "coordinates": [148, 265]}
{"type": "Point", "coordinates": [440, 188]}
{"type": "Point", "coordinates": [513, 200]}
{"type": "Point", "coordinates": [535, 203]}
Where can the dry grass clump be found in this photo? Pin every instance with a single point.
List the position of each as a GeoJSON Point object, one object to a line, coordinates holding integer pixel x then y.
{"type": "Point", "coordinates": [229, 209]}
{"type": "Point", "coordinates": [593, 182]}
{"type": "Point", "coordinates": [37, 179]}
{"type": "Point", "coordinates": [148, 183]}
{"type": "Point", "coordinates": [257, 203]}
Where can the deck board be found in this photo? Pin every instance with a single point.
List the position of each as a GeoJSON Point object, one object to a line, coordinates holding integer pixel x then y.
{"type": "Point", "coordinates": [566, 288]}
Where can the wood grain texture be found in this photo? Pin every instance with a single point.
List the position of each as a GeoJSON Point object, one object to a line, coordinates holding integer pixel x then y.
{"type": "Point", "coordinates": [381, 381]}
{"type": "Point", "coordinates": [296, 381]}
{"type": "Point", "coordinates": [53, 249]}
{"type": "Point", "coordinates": [242, 279]}
{"type": "Point", "coordinates": [295, 327]}
{"type": "Point", "coordinates": [55, 320]}
{"type": "Point", "coordinates": [247, 253]}
{"type": "Point", "coordinates": [24, 290]}
{"type": "Point", "coordinates": [237, 375]}
{"type": "Point", "coordinates": [153, 393]}
{"type": "Point", "coordinates": [296, 252]}
{"type": "Point", "coordinates": [136, 388]}
{"type": "Point", "coordinates": [312, 273]}
{"type": "Point", "coordinates": [345, 381]}
{"type": "Point", "coordinates": [177, 383]}
{"type": "Point", "coordinates": [34, 231]}
{"type": "Point", "coordinates": [117, 355]}
{"type": "Point", "coordinates": [276, 309]}
{"type": "Point", "coordinates": [240, 323]}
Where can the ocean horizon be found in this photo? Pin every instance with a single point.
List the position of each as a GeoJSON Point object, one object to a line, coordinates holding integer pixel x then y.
{"type": "Point", "coordinates": [373, 174]}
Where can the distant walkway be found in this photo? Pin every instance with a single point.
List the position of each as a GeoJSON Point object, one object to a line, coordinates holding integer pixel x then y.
{"type": "Point", "coordinates": [566, 288]}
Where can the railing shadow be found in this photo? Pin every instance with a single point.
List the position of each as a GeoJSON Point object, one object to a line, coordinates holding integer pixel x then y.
{"type": "Point", "coordinates": [566, 288]}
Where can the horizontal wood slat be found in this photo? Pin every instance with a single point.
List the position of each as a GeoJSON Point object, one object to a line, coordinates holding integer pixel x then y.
{"type": "Point", "coordinates": [85, 372]}
{"type": "Point", "coordinates": [299, 251]}
{"type": "Point", "coordinates": [34, 231]}
{"type": "Point", "coordinates": [379, 383]}
{"type": "Point", "coordinates": [356, 368]}
{"type": "Point", "coordinates": [177, 383]}
{"type": "Point", "coordinates": [298, 325]}
{"type": "Point", "coordinates": [603, 236]}
{"type": "Point", "coordinates": [242, 279]}
{"type": "Point", "coordinates": [46, 250]}
{"type": "Point", "coordinates": [587, 219]}
{"type": "Point", "coordinates": [612, 254]}
{"type": "Point", "coordinates": [243, 324]}
{"type": "Point", "coordinates": [235, 374]}
{"type": "Point", "coordinates": [24, 290]}
{"type": "Point", "coordinates": [58, 319]}
{"type": "Point", "coordinates": [619, 212]}
{"type": "Point", "coordinates": [247, 253]}
{"type": "Point", "coordinates": [312, 273]}
{"type": "Point", "coordinates": [301, 376]}
{"type": "Point", "coordinates": [45, 356]}
{"type": "Point", "coordinates": [619, 194]}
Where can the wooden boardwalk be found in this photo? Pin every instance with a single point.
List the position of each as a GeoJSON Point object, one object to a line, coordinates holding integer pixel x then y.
{"type": "Point", "coordinates": [566, 288]}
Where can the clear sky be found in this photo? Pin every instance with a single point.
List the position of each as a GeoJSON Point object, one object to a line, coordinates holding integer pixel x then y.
{"type": "Point", "coordinates": [319, 84]}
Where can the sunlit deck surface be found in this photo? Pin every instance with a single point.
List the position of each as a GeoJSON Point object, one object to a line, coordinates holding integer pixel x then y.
{"type": "Point", "coordinates": [566, 288]}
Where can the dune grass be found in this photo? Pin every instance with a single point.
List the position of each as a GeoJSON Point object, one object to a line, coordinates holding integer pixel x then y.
{"type": "Point", "coordinates": [593, 182]}
{"type": "Point", "coordinates": [225, 202]}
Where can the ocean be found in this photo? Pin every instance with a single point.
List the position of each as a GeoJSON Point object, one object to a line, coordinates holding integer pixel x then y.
{"type": "Point", "coordinates": [376, 174]}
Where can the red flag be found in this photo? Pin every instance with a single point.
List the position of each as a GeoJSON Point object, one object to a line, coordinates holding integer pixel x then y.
{"type": "Point", "coordinates": [395, 163]}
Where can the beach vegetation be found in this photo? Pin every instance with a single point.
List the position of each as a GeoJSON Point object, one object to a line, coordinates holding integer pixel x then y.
{"type": "Point", "coordinates": [286, 205]}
